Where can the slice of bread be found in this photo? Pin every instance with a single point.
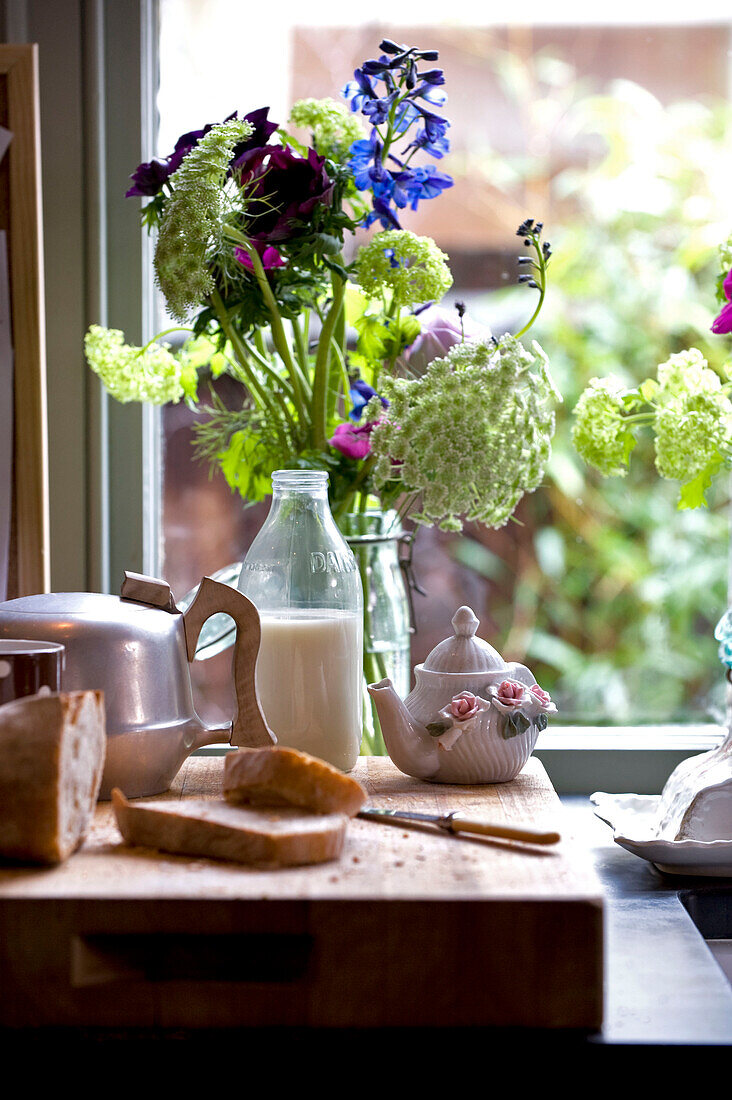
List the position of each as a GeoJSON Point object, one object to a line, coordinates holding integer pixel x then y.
{"type": "Point", "coordinates": [278, 776]}
{"type": "Point", "coordinates": [52, 751]}
{"type": "Point", "coordinates": [277, 837]}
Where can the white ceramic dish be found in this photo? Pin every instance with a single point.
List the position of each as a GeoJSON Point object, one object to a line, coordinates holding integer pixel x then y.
{"type": "Point", "coordinates": [631, 817]}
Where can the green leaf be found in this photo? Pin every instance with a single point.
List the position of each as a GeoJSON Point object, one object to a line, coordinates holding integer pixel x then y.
{"type": "Point", "coordinates": [648, 389]}
{"type": "Point", "coordinates": [693, 494]}
{"type": "Point", "coordinates": [410, 328]}
{"type": "Point", "coordinates": [372, 337]}
{"type": "Point", "coordinates": [242, 467]}
{"type": "Point", "coordinates": [541, 722]}
{"type": "Point", "coordinates": [629, 442]}
{"type": "Point", "coordinates": [329, 244]}
{"type": "Point", "coordinates": [519, 723]}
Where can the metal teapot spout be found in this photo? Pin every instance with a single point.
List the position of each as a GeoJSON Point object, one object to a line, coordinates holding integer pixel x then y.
{"type": "Point", "coordinates": [408, 742]}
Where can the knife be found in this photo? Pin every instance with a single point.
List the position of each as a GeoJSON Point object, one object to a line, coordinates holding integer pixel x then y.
{"type": "Point", "coordinates": [457, 822]}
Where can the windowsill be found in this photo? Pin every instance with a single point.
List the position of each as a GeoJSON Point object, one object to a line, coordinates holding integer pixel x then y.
{"type": "Point", "coordinates": [615, 759]}
{"type": "Point", "coordinates": [620, 759]}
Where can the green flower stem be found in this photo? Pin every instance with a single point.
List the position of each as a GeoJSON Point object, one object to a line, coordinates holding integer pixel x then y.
{"type": "Point", "coordinates": [374, 670]}
{"type": "Point", "coordinates": [280, 385]}
{"type": "Point", "coordinates": [160, 335]}
{"type": "Point", "coordinates": [301, 345]}
{"type": "Point", "coordinates": [374, 667]}
{"type": "Point", "coordinates": [541, 265]}
{"type": "Point", "coordinates": [337, 353]}
{"type": "Point", "coordinates": [346, 504]}
{"type": "Point", "coordinates": [277, 328]}
{"type": "Point", "coordinates": [266, 367]}
{"type": "Point", "coordinates": [259, 393]}
{"type": "Point", "coordinates": [321, 376]}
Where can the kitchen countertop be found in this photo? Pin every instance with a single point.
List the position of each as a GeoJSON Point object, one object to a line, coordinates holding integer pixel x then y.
{"type": "Point", "coordinates": [662, 985]}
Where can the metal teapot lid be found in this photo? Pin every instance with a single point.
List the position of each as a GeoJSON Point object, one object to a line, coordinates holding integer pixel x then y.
{"type": "Point", "coordinates": [464, 652]}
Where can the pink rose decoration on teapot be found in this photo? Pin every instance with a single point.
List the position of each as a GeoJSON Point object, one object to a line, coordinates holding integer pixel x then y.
{"type": "Point", "coordinates": [458, 715]}
{"type": "Point", "coordinates": [511, 693]}
{"type": "Point", "coordinates": [464, 706]}
{"type": "Point", "coordinates": [511, 696]}
{"type": "Point", "coordinates": [543, 698]}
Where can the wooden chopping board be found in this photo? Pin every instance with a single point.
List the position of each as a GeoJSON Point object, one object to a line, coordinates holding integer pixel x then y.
{"type": "Point", "coordinates": [409, 927]}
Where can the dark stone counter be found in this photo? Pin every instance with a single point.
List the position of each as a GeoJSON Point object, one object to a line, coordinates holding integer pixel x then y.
{"type": "Point", "coordinates": [662, 982]}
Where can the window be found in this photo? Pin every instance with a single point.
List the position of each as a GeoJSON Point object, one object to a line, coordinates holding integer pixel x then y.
{"type": "Point", "coordinates": [607, 590]}
{"type": "Point", "coordinates": [616, 136]}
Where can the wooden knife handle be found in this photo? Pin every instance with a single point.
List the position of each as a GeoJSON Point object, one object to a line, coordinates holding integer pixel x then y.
{"type": "Point", "coordinates": [460, 823]}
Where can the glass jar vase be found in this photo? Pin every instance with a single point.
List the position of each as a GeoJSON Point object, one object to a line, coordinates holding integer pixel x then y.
{"type": "Point", "coordinates": [376, 538]}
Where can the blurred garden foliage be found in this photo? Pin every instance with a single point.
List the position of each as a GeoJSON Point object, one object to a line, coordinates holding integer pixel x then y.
{"type": "Point", "coordinates": [613, 593]}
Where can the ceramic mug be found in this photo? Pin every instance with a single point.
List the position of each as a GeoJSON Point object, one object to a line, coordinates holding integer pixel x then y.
{"type": "Point", "coordinates": [29, 668]}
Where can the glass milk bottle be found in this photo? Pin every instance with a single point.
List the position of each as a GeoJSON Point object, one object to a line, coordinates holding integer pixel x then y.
{"type": "Point", "coordinates": [304, 581]}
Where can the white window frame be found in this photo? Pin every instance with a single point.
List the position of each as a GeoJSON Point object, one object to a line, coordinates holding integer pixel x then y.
{"type": "Point", "coordinates": [98, 71]}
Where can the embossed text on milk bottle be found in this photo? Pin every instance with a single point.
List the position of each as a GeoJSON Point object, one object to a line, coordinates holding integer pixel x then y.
{"type": "Point", "coordinates": [304, 580]}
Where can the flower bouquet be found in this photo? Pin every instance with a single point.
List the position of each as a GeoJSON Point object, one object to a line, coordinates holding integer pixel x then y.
{"type": "Point", "coordinates": [346, 360]}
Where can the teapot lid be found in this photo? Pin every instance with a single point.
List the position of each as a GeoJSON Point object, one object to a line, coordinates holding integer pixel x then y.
{"type": "Point", "coordinates": [464, 652]}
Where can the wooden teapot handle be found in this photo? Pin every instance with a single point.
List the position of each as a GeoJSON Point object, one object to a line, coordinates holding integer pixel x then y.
{"type": "Point", "coordinates": [249, 727]}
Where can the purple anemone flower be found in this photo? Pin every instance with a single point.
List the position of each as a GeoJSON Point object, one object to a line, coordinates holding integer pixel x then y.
{"type": "Point", "coordinates": [282, 189]}
{"type": "Point", "coordinates": [149, 179]}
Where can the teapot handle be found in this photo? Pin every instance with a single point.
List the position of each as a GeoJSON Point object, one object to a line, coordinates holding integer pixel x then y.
{"type": "Point", "coordinates": [249, 727]}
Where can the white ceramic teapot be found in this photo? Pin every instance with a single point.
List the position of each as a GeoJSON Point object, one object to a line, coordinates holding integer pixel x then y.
{"type": "Point", "coordinates": [471, 717]}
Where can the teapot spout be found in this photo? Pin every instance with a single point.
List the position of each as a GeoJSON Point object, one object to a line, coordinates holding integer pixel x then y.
{"type": "Point", "coordinates": [408, 743]}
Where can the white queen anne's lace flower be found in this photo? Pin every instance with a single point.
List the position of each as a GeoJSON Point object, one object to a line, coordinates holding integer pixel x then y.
{"type": "Point", "coordinates": [471, 435]}
{"type": "Point", "coordinates": [192, 218]}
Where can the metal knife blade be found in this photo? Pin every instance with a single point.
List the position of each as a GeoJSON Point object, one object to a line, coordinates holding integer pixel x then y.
{"type": "Point", "coordinates": [457, 822]}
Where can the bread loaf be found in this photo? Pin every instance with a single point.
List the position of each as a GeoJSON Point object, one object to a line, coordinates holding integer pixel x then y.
{"type": "Point", "coordinates": [52, 751]}
{"type": "Point", "coordinates": [277, 837]}
{"type": "Point", "coordinates": [282, 776]}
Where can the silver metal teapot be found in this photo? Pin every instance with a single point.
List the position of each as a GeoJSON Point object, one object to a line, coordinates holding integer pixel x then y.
{"type": "Point", "coordinates": [136, 648]}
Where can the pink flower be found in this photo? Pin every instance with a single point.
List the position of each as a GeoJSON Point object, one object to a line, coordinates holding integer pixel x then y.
{"type": "Point", "coordinates": [723, 322]}
{"type": "Point", "coordinates": [353, 440]}
{"type": "Point", "coordinates": [542, 697]}
{"type": "Point", "coordinates": [510, 693]}
{"type": "Point", "coordinates": [464, 706]}
{"type": "Point", "coordinates": [269, 256]}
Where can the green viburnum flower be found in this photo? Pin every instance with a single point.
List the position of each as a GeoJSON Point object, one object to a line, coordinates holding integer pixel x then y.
{"type": "Point", "coordinates": [332, 124]}
{"type": "Point", "coordinates": [693, 417]}
{"type": "Point", "coordinates": [152, 374]}
{"type": "Point", "coordinates": [471, 435]}
{"type": "Point", "coordinates": [599, 433]}
{"type": "Point", "coordinates": [412, 267]}
{"type": "Point", "coordinates": [191, 220]}
{"type": "Point", "coordinates": [691, 432]}
{"type": "Point", "coordinates": [685, 373]}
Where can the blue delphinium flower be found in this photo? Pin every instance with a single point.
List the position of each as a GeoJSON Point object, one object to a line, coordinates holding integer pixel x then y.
{"type": "Point", "coordinates": [395, 96]}
{"type": "Point", "coordinates": [425, 183]}
{"type": "Point", "coordinates": [361, 393]}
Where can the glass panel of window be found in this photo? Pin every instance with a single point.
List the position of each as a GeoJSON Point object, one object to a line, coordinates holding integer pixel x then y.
{"type": "Point", "coordinates": [618, 136]}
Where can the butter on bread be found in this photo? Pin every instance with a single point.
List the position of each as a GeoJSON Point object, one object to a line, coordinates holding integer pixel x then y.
{"type": "Point", "coordinates": [278, 776]}
{"type": "Point", "coordinates": [52, 752]}
{"type": "Point", "coordinates": [277, 837]}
